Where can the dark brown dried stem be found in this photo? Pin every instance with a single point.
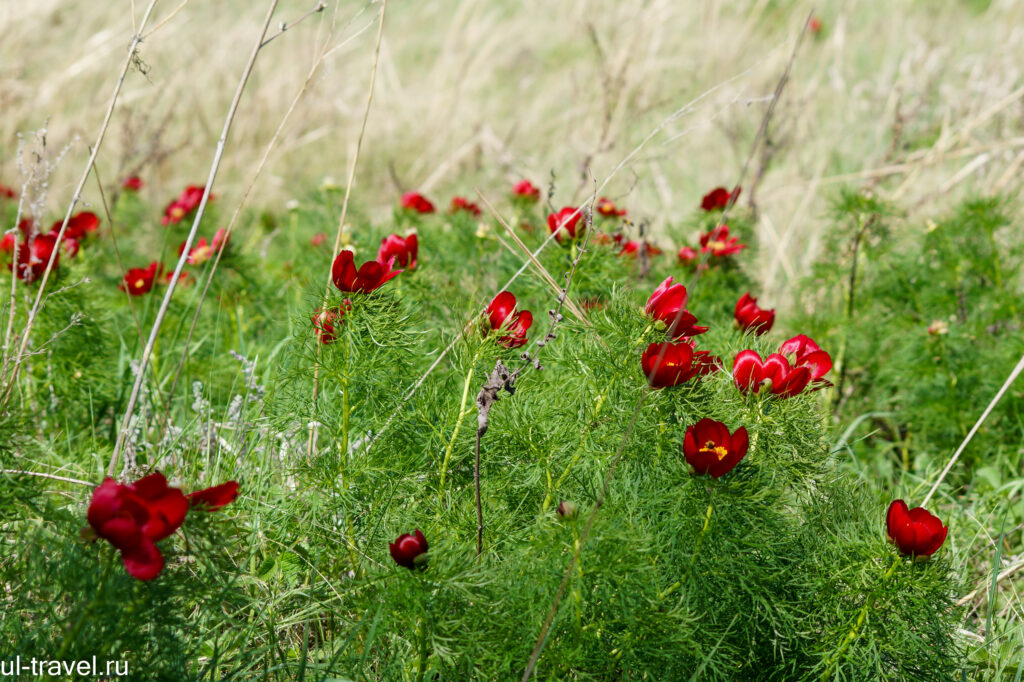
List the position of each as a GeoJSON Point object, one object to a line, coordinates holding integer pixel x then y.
{"type": "Point", "coordinates": [503, 379]}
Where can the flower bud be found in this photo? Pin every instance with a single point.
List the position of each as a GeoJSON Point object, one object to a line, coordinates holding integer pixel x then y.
{"type": "Point", "coordinates": [567, 509]}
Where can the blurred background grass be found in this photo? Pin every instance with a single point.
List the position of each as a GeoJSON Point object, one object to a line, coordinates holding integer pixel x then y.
{"type": "Point", "coordinates": [919, 99]}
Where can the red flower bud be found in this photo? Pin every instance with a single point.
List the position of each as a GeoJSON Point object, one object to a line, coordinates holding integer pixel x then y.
{"type": "Point", "coordinates": [407, 549]}
{"type": "Point", "coordinates": [718, 198]}
{"type": "Point", "coordinates": [132, 184]}
{"type": "Point", "coordinates": [914, 531]}
{"type": "Point", "coordinates": [326, 322]}
{"type": "Point", "coordinates": [524, 189]}
{"type": "Point", "coordinates": [567, 509]}
{"type": "Point", "coordinates": [710, 449]}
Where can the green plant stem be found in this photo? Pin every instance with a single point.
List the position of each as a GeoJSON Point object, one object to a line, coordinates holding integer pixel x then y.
{"type": "Point", "coordinates": [577, 596]}
{"type": "Point", "coordinates": [855, 631]}
{"type": "Point", "coordinates": [458, 423]}
{"type": "Point", "coordinates": [421, 635]}
{"type": "Point", "coordinates": [344, 411]}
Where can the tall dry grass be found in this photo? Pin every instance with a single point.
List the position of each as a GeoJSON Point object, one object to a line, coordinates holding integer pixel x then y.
{"type": "Point", "coordinates": [919, 99]}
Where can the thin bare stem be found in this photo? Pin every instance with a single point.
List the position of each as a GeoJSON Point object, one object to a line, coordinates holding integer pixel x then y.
{"type": "Point", "coordinates": [163, 21]}
{"type": "Point", "coordinates": [52, 477]}
{"type": "Point", "coordinates": [214, 166]}
{"type": "Point", "coordinates": [974, 429]}
{"type": "Point", "coordinates": [319, 7]}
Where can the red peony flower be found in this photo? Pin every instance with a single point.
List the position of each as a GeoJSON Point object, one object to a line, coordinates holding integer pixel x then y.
{"type": "Point", "coordinates": [134, 517]}
{"type": "Point", "coordinates": [705, 363]}
{"type": "Point", "coordinates": [216, 497]}
{"type": "Point", "coordinates": [632, 248]}
{"type": "Point", "coordinates": [132, 184]}
{"type": "Point", "coordinates": [34, 253]}
{"type": "Point", "coordinates": [710, 449]}
{"type": "Point", "coordinates": [409, 550]}
{"type": "Point", "coordinates": [524, 189]}
{"type": "Point", "coordinates": [79, 225]}
{"type": "Point", "coordinates": [916, 531]}
{"type": "Point", "coordinates": [187, 201]}
{"type": "Point", "coordinates": [750, 373]}
{"type": "Point", "coordinates": [802, 351]}
{"type": "Point", "coordinates": [7, 192]}
{"type": "Point", "coordinates": [668, 304]}
{"type": "Point", "coordinates": [668, 364]}
{"type": "Point", "coordinates": [464, 204]}
{"type": "Point", "coordinates": [718, 198]}
{"type": "Point", "coordinates": [403, 249]}
{"type": "Point", "coordinates": [752, 318]}
{"type": "Point", "coordinates": [417, 203]}
{"type": "Point", "coordinates": [718, 242]}
{"type": "Point", "coordinates": [566, 223]}
{"type": "Point", "coordinates": [608, 209]}
{"type": "Point", "coordinates": [204, 251]}
{"type": "Point", "coordinates": [370, 276]}
{"type": "Point", "coordinates": [139, 281]}
{"type": "Point", "coordinates": [502, 314]}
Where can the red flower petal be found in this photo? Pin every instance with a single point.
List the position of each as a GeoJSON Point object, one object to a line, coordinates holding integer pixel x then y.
{"type": "Point", "coordinates": [215, 497]}
{"type": "Point", "coordinates": [144, 561]}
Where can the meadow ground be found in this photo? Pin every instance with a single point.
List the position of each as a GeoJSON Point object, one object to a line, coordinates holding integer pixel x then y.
{"type": "Point", "coordinates": [880, 151]}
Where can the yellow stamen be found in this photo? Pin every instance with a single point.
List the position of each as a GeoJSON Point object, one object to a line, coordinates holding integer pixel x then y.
{"type": "Point", "coordinates": [717, 450]}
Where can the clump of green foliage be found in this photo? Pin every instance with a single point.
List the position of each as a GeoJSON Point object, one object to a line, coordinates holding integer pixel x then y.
{"type": "Point", "coordinates": [779, 570]}
{"type": "Point", "coordinates": [926, 322]}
